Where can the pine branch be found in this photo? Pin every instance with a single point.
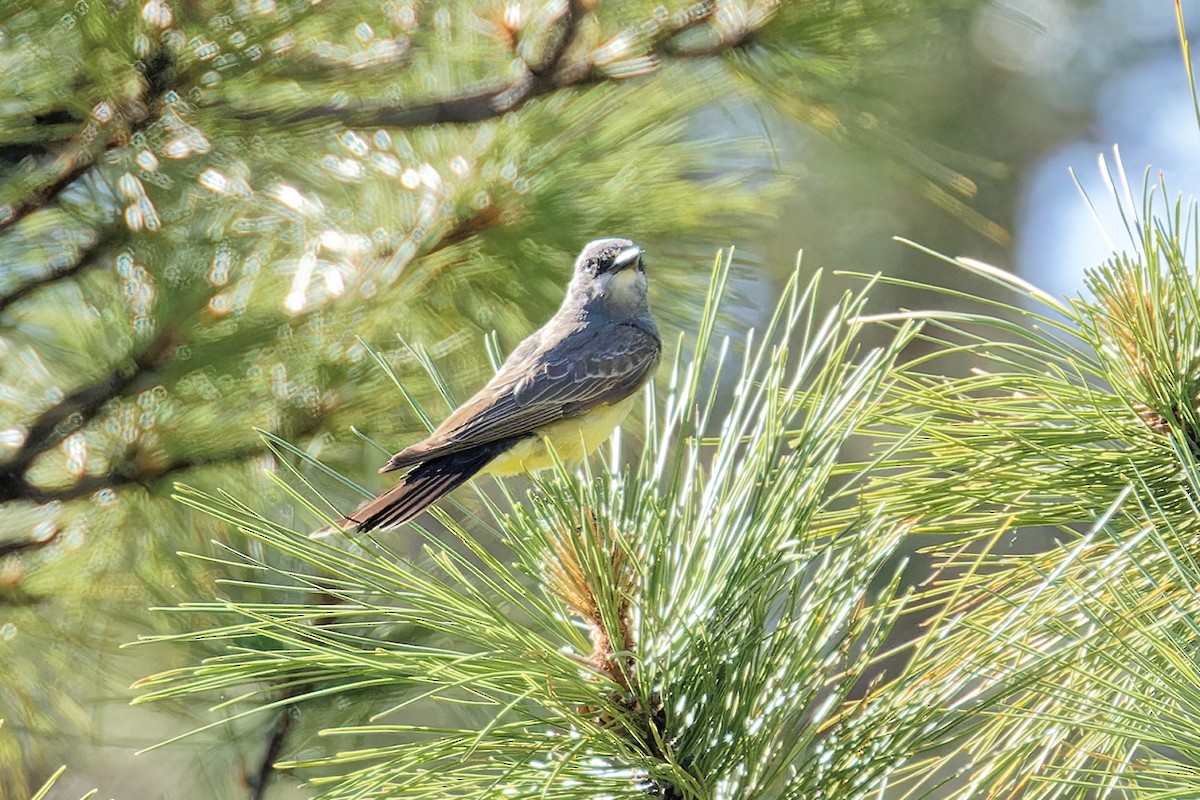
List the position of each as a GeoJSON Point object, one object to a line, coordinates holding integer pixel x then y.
{"type": "Point", "coordinates": [556, 72]}
{"type": "Point", "coordinates": [19, 488]}
{"type": "Point", "coordinates": [116, 120]}
{"type": "Point", "coordinates": [734, 32]}
{"type": "Point", "coordinates": [259, 778]}
{"type": "Point", "coordinates": [20, 545]}
{"type": "Point", "coordinates": [72, 413]}
{"type": "Point", "coordinates": [537, 80]}
{"type": "Point", "coordinates": [1081, 415]}
{"type": "Point", "coordinates": [67, 165]}
{"type": "Point", "coordinates": [107, 239]}
{"type": "Point", "coordinates": [710, 591]}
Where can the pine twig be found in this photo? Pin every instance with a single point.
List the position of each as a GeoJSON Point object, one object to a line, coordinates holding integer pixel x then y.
{"type": "Point", "coordinates": [21, 545]}
{"type": "Point", "coordinates": [494, 101]}
{"type": "Point", "coordinates": [555, 73]}
{"type": "Point", "coordinates": [76, 410]}
{"type": "Point", "coordinates": [84, 258]}
{"type": "Point", "coordinates": [81, 152]}
{"type": "Point", "coordinates": [259, 779]}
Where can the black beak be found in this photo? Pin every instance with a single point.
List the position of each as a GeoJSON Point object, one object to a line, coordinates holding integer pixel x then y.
{"type": "Point", "coordinates": [629, 257]}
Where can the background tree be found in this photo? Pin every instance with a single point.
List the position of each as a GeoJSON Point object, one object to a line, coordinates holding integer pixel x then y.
{"type": "Point", "coordinates": [206, 208]}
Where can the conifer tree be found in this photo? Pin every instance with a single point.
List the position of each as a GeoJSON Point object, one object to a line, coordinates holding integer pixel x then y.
{"type": "Point", "coordinates": [212, 214]}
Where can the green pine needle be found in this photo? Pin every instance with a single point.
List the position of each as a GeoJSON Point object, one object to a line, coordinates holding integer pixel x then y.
{"type": "Point", "coordinates": [699, 624]}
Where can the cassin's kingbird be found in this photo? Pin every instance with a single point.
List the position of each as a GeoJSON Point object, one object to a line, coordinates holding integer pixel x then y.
{"type": "Point", "coordinates": [571, 382]}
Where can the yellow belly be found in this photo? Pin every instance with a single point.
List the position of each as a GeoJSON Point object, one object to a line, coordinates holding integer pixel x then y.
{"type": "Point", "coordinates": [573, 439]}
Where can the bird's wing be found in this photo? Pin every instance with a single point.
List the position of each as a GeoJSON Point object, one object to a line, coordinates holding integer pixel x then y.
{"type": "Point", "coordinates": [587, 368]}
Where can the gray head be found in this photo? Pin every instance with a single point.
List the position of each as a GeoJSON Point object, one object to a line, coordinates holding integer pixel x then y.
{"type": "Point", "coordinates": [610, 276]}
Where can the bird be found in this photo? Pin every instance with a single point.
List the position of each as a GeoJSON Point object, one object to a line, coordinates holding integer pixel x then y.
{"type": "Point", "coordinates": [570, 383]}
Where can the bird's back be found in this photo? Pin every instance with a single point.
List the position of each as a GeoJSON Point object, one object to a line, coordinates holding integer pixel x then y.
{"type": "Point", "coordinates": [560, 372]}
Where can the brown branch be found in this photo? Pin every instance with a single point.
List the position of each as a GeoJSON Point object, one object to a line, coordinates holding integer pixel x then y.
{"type": "Point", "coordinates": [729, 37]}
{"type": "Point", "coordinates": [19, 545]}
{"type": "Point", "coordinates": [21, 489]}
{"type": "Point", "coordinates": [460, 231]}
{"type": "Point", "coordinates": [76, 410]}
{"type": "Point", "coordinates": [111, 235]}
{"type": "Point", "coordinates": [55, 424]}
{"type": "Point", "coordinates": [129, 114]}
{"type": "Point", "coordinates": [464, 229]}
{"type": "Point", "coordinates": [572, 580]}
{"type": "Point", "coordinates": [685, 19]}
{"type": "Point", "coordinates": [259, 779]}
{"type": "Point", "coordinates": [490, 102]}
{"type": "Point", "coordinates": [567, 577]}
{"type": "Point", "coordinates": [497, 99]}
{"type": "Point", "coordinates": [74, 159]}
{"type": "Point", "coordinates": [486, 104]}
{"type": "Point", "coordinates": [79, 154]}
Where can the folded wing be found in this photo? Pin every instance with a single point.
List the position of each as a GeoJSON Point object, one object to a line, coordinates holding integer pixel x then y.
{"type": "Point", "coordinates": [590, 367]}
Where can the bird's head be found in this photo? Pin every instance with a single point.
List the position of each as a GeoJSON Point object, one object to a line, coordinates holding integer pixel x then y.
{"type": "Point", "coordinates": [610, 274]}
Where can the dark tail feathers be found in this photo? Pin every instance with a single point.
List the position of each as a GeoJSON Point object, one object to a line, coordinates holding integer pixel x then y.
{"type": "Point", "coordinates": [423, 486]}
